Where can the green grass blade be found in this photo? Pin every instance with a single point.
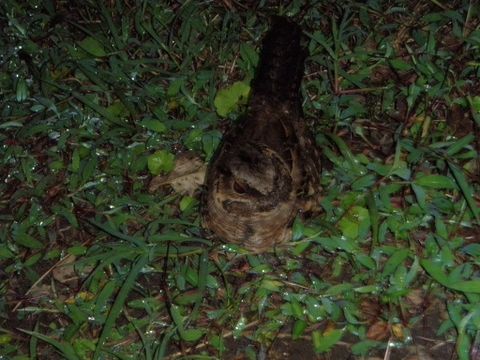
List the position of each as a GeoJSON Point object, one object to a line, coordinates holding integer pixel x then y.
{"type": "Point", "coordinates": [466, 189]}
{"type": "Point", "coordinates": [117, 306]}
{"type": "Point", "coordinates": [65, 349]}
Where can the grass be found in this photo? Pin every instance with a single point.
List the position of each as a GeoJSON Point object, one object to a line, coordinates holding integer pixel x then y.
{"type": "Point", "coordinates": [98, 98]}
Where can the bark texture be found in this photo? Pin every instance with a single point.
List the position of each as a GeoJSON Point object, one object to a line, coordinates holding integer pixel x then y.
{"type": "Point", "coordinates": [267, 167]}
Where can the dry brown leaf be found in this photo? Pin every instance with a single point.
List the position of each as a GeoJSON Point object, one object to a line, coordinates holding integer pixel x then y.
{"type": "Point", "coordinates": [371, 310]}
{"type": "Point", "coordinates": [187, 176]}
{"type": "Point", "coordinates": [40, 291]}
{"type": "Point", "coordinates": [65, 272]}
{"type": "Point", "coordinates": [416, 297]}
{"type": "Point", "coordinates": [378, 331]}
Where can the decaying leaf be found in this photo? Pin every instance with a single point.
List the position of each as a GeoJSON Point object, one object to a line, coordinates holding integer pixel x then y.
{"type": "Point", "coordinates": [65, 271]}
{"type": "Point", "coordinates": [40, 291]}
{"type": "Point", "coordinates": [186, 177]}
{"type": "Point", "coordinates": [378, 331]}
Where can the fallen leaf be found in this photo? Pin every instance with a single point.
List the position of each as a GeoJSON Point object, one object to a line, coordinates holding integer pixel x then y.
{"type": "Point", "coordinates": [398, 332]}
{"type": "Point", "coordinates": [65, 272]}
{"type": "Point", "coordinates": [371, 310]}
{"type": "Point", "coordinates": [40, 291]}
{"type": "Point", "coordinates": [187, 176]}
{"type": "Point", "coordinates": [416, 297]}
{"type": "Point", "coordinates": [378, 331]}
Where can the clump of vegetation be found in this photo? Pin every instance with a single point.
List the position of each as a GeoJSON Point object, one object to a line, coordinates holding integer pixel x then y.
{"type": "Point", "coordinates": [97, 99]}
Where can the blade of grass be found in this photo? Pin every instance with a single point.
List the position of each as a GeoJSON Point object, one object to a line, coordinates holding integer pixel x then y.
{"type": "Point", "coordinates": [100, 110]}
{"type": "Point", "coordinates": [117, 306]}
{"type": "Point", "coordinates": [374, 218]}
{"type": "Point", "coordinates": [202, 284]}
{"type": "Point", "coordinates": [140, 242]}
{"type": "Point", "coordinates": [465, 188]}
{"type": "Point", "coordinates": [65, 349]}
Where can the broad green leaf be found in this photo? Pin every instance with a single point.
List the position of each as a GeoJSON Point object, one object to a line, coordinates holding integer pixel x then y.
{"type": "Point", "coordinates": [239, 327]}
{"type": "Point", "coordinates": [353, 162]}
{"type": "Point", "coordinates": [413, 92]}
{"type": "Point", "coordinates": [161, 161]}
{"type": "Point", "coordinates": [154, 125]}
{"type": "Point", "coordinates": [467, 286]}
{"type": "Point", "coordinates": [77, 250]}
{"type": "Point", "coordinates": [99, 109]}
{"type": "Point", "coordinates": [66, 213]}
{"type": "Point", "coordinates": [28, 241]}
{"type": "Point", "coordinates": [56, 165]}
{"type": "Point", "coordinates": [400, 65]}
{"type": "Point", "coordinates": [435, 182]}
{"type": "Point", "coordinates": [11, 125]}
{"type": "Point", "coordinates": [177, 317]}
{"type": "Point", "coordinates": [394, 261]}
{"type": "Point", "coordinates": [187, 297]}
{"type": "Point", "coordinates": [297, 229]}
{"type": "Point", "coordinates": [228, 99]}
{"type": "Point", "coordinates": [435, 271]}
{"type": "Point", "coordinates": [175, 86]}
{"type": "Point", "coordinates": [5, 253]}
{"type": "Point", "coordinates": [32, 260]}
{"type": "Point", "coordinates": [249, 55]}
{"type": "Point", "coordinates": [297, 309]}
{"type": "Point", "coordinates": [185, 334]}
{"type": "Point", "coordinates": [324, 342]}
{"type": "Point", "coordinates": [92, 46]}
{"type": "Point", "coordinates": [420, 195]}
{"type": "Point", "coordinates": [365, 260]}
{"type": "Point", "coordinates": [472, 249]}
{"type": "Point", "coordinates": [298, 329]}
{"type": "Point", "coordinates": [401, 170]}
{"type": "Point", "coordinates": [22, 90]}
{"type": "Point", "coordinates": [271, 284]}
{"type": "Point", "coordinates": [192, 334]}
{"type": "Point", "coordinates": [460, 144]}
{"type": "Point", "coordinates": [77, 315]}
{"type": "Point", "coordinates": [356, 219]}
{"type": "Point", "coordinates": [363, 347]}
{"type": "Point", "coordinates": [474, 103]}
{"type": "Point", "coordinates": [210, 141]}
{"type": "Point", "coordinates": [75, 160]}
{"type": "Point", "coordinates": [338, 289]}
{"type": "Point", "coordinates": [187, 203]}
{"type": "Point", "coordinates": [5, 339]}
{"type": "Point", "coordinates": [117, 110]}
{"type": "Point", "coordinates": [363, 182]}
{"type": "Point", "coordinates": [373, 289]}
